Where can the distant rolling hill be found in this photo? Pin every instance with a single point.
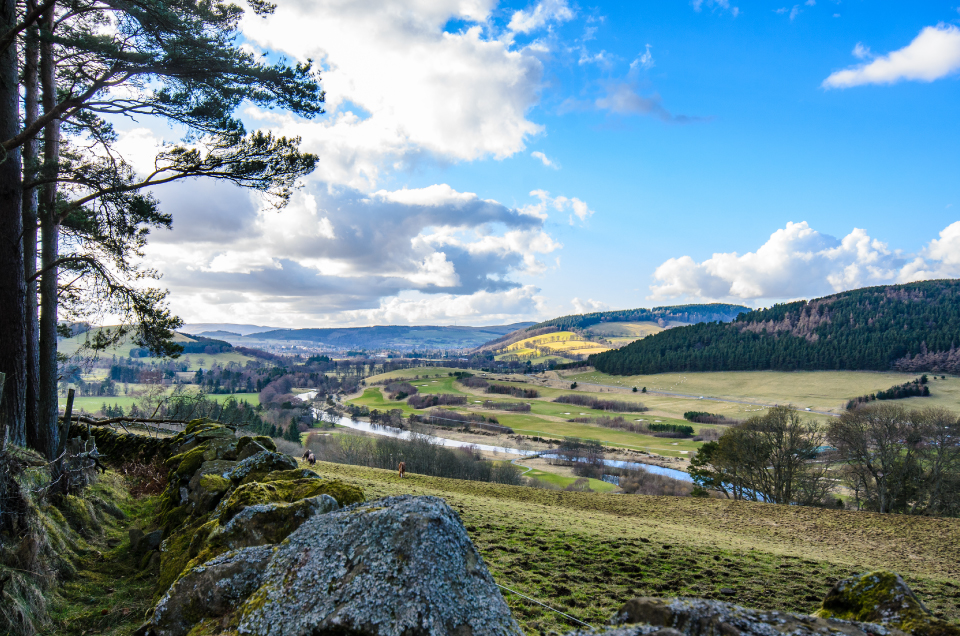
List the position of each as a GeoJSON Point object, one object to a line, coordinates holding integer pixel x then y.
{"type": "Point", "coordinates": [602, 330]}
{"type": "Point", "coordinates": [911, 327]}
{"type": "Point", "coordinates": [401, 338]}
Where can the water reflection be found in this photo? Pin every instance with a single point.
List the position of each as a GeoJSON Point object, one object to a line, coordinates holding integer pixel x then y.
{"type": "Point", "coordinates": [389, 431]}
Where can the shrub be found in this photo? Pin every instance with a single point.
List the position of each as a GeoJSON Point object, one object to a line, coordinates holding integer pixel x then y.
{"type": "Point", "coordinates": [518, 407]}
{"type": "Point", "coordinates": [422, 401]}
{"type": "Point", "coordinates": [917, 388]}
{"type": "Point", "coordinates": [400, 390]}
{"type": "Point", "coordinates": [702, 417]}
{"type": "Point", "coordinates": [642, 482]}
{"type": "Point", "coordinates": [515, 391]}
{"type": "Point", "coordinates": [474, 383]}
{"type": "Point", "coordinates": [682, 430]}
{"type": "Point", "coordinates": [590, 402]}
{"type": "Point", "coordinates": [420, 454]}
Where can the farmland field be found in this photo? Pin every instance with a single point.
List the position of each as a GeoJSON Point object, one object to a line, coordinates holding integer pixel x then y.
{"type": "Point", "coordinates": [551, 344]}
{"type": "Point", "coordinates": [93, 404]}
{"type": "Point", "coordinates": [545, 419]}
{"type": "Point", "coordinates": [818, 390]}
{"type": "Point", "coordinates": [622, 546]}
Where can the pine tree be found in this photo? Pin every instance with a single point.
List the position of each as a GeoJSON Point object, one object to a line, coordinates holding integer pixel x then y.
{"type": "Point", "coordinates": [180, 61]}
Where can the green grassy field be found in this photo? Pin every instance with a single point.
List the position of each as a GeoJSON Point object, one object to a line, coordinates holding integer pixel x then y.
{"type": "Point", "coordinates": [622, 546]}
{"type": "Point", "coordinates": [819, 390]}
{"type": "Point", "coordinates": [596, 485]}
{"type": "Point", "coordinates": [533, 425]}
{"type": "Point", "coordinates": [93, 404]}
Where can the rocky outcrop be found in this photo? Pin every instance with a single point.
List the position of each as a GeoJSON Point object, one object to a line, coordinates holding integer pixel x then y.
{"type": "Point", "coordinates": [402, 566]}
{"type": "Point", "coordinates": [254, 544]}
{"type": "Point", "coordinates": [874, 604]}
{"type": "Point", "coordinates": [883, 597]}
{"type": "Point", "coordinates": [699, 617]}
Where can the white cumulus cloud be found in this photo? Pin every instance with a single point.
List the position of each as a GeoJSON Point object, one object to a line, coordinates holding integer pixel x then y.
{"type": "Point", "coordinates": [800, 262]}
{"type": "Point", "coordinates": [399, 87]}
{"type": "Point", "coordinates": [933, 54]}
{"type": "Point", "coordinates": [588, 306]}
{"type": "Point", "coordinates": [543, 13]}
{"type": "Point", "coordinates": [574, 206]}
{"type": "Point", "coordinates": [536, 154]}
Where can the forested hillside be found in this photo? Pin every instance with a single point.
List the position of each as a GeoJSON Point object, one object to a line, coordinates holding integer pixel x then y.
{"type": "Point", "coordinates": [677, 313]}
{"type": "Point", "coordinates": [912, 327]}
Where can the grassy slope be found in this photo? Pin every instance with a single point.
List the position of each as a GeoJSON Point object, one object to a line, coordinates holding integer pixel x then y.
{"type": "Point", "coordinates": [93, 404]}
{"type": "Point", "coordinates": [821, 390]}
{"type": "Point", "coordinates": [563, 482]}
{"type": "Point", "coordinates": [69, 346]}
{"type": "Point", "coordinates": [622, 546]}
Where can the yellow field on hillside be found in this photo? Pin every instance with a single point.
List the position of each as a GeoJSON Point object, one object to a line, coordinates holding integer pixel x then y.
{"type": "Point", "coordinates": [626, 329]}
{"type": "Point", "coordinates": [557, 343]}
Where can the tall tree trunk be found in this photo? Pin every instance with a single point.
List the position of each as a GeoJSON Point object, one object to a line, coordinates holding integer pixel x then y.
{"type": "Point", "coordinates": [12, 285]}
{"type": "Point", "coordinates": [31, 154]}
{"type": "Point", "coordinates": [47, 431]}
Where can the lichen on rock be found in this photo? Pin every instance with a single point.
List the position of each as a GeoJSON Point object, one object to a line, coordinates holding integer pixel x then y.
{"type": "Point", "coordinates": [401, 565]}
{"type": "Point", "coordinates": [700, 617]}
{"type": "Point", "coordinates": [882, 597]}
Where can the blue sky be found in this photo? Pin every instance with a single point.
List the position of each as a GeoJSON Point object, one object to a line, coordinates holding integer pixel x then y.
{"type": "Point", "coordinates": [699, 152]}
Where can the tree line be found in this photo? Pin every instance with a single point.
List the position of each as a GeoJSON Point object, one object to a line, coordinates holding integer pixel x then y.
{"type": "Point", "coordinates": [680, 313]}
{"type": "Point", "coordinates": [864, 329]}
{"type": "Point", "coordinates": [75, 214]}
{"type": "Point", "coordinates": [887, 458]}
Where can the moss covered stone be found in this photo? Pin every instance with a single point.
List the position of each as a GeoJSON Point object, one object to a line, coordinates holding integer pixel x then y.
{"type": "Point", "coordinates": [287, 492]}
{"type": "Point", "coordinates": [258, 466]}
{"type": "Point", "coordinates": [882, 597]}
{"type": "Point", "coordinates": [245, 447]}
{"type": "Point", "coordinates": [185, 464]}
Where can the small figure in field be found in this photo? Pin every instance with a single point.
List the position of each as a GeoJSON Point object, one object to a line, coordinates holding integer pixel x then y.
{"type": "Point", "coordinates": [311, 458]}
{"type": "Point", "coordinates": [306, 455]}
{"type": "Point", "coordinates": [403, 469]}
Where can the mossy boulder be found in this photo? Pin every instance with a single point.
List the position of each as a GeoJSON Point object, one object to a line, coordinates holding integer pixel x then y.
{"type": "Point", "coordinates": [208, 484]}
{"type": "Point", "coordinates": [649, 616]}
{"type": "Point", "coordinates": [257, 467]}
{"type": "Point", "coordinates": [258, 493]}
{"type": "Point", "coordinates": [882, 597]}
{"type": "Point", "coordinates": [268, 523]}
{"type": "Point", "coordinates": [250, 446]}
{"type": "Point", "coordinates": [183, 465]}
{"type": "Point", "coordinates": [213, 590]}
{"type": "Point", "coordinates": [395, 567]}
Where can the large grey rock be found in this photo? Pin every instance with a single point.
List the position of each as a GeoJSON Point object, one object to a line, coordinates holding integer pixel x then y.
{"type": "Point", "coordinates": [269, 523]}
{"type": "Point", "coordinates": [211, 591]}
{"type": "Point", "coordinates": [699, 617]}
{"type": "Point", "coordinates": [261, 464]}
{"type": "Point", "coordinates": [402, 566]}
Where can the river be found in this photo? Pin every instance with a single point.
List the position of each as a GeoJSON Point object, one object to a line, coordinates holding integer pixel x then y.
{"type": "Point", "coordinates": [389, 431]}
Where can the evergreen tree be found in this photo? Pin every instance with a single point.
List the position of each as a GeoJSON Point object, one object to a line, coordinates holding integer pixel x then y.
{"type": "Point", "coordinates": [180, 61]}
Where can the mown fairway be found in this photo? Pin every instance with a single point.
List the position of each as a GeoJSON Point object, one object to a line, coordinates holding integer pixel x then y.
{"type": "Point", "coordinates": [586, 554]}
{"type": "Point", "coordinates": [819, 390]}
